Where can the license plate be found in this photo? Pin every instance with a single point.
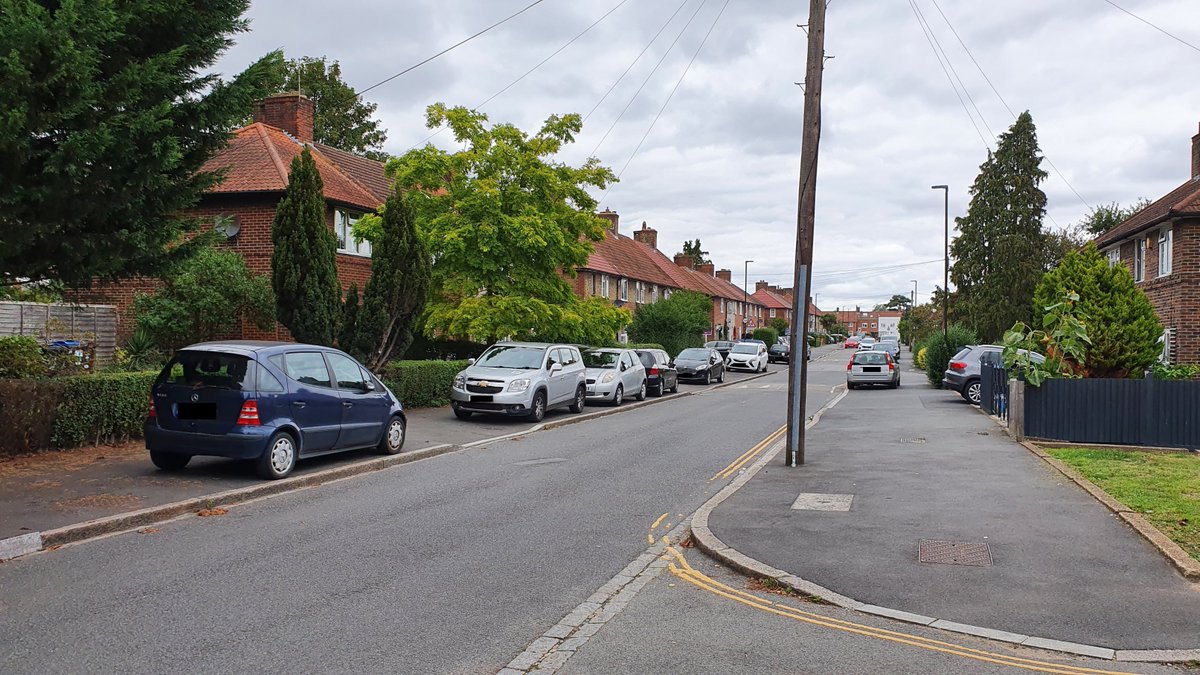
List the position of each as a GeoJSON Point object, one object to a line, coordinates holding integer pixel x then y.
{"type": "Point", "coordinates": [481, 399]}
{"type": "Point", "coordinates": [872, 369]}
{"type": "Point", "coordinates": [197, 411]}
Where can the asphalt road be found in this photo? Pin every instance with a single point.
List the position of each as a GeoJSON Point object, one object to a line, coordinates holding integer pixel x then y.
{"type": "Point", "coordinates": [448, 565]}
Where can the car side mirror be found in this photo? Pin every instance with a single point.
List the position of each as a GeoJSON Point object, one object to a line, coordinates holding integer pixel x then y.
{"type": "Point", "coordinates": [555, 368]}
{"type": "Point", "coordinates": [370, 386]}
{"type": "Point", "coordinates": [470, 362]}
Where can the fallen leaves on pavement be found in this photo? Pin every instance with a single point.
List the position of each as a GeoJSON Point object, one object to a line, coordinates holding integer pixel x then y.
{"type": "Point", "coordinates": [215, 511]}
{"type": "Point", "coordinates": [149, 530]}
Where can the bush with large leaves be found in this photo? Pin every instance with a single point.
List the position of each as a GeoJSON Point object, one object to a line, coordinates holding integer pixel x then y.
{"type": "Point", "coordinates": [677, 322]}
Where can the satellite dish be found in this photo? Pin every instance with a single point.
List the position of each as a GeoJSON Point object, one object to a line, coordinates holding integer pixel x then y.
{"type": "Point", "coordinates": [228, 226]}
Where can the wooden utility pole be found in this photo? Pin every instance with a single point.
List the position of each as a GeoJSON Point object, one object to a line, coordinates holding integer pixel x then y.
{"type": "Point", "coordinates": [805, 219]}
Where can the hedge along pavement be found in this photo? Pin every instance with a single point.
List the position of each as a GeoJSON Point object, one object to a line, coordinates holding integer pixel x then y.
{"type": "Point", "coordinates": [421, 384]}
{"type": "Point", "coordinates": [37, 541]}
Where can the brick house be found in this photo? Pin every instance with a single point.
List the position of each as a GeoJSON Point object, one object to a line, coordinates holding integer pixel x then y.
{"type": "Point", "coordinates": [257, 162]}
{"type": "Point", "coordinates": [1161, 246]}
{"type": "Point", "coordinates": [631, 271]}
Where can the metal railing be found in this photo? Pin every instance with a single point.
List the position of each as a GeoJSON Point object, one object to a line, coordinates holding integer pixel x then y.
{"type": "Point", "coordinates": [993, 381]}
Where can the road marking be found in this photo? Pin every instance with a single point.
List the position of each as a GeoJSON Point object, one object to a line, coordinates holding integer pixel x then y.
{"type": "Point", "coordinates": [659, 521]}
{"type": "Point", "coordinates": [683, 570]}
{"type": "Point", "coordinates": [748, 455]}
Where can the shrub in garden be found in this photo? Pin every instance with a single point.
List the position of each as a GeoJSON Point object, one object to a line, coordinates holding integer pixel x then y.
{"type": "Point", "coordinates": [101, 407]}
{"type": "Point", "coordinates": [644, 345]}
{"type": "Point", "coordinates": [678, 322]}
{"type": "Point", "coordinates": [939, 348]}
{"type": "Point", "coordinates": [421, 384]}
{"type": "Point", "coordinates": [21, 356]}
{"type": "Point", "coordinates": [767, 334]}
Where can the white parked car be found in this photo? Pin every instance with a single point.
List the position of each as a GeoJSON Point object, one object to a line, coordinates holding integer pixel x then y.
{"type": "Point", "coordinates": [614, 375]}
{"type": "Point", "coordinates": [750, 356]}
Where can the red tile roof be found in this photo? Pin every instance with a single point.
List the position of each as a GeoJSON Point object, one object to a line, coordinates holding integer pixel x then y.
{"type": "Point", "coordinates": [770, 300]}
{"type": "Point", "coordinates": [258, 159]}
{"type": "Point", "coordinates": [1182, 201]}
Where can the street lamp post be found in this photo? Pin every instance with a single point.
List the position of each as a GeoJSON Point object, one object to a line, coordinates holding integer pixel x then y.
{"type": "Point", "coordinates": [946, 270]}
{"type": "Point", "coordinates": [745, 294]}
{"type": "Point", "coordinates": [914, 298]}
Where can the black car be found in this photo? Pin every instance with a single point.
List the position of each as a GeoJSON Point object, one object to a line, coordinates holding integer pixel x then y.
{"type": "Point", "coordinates": [661, 376]}
{"type": "Point", "coordinates": [701, 364]}
{"type": "Point", "coordinates": [780, 352]}
{"type": "Point", "coordinates": [722, 346]}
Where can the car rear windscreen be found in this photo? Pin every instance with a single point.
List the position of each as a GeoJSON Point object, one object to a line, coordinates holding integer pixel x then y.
{"type": "Point", "coordinates": [208, 369]}
{"type": "Point", "coordinates": [870, 359]}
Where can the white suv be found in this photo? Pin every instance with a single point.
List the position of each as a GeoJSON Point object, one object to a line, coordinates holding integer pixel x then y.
{"type": "Point", "coordinates": [522, 379]}
{"type": "Point", "coordinates": [748, 355]}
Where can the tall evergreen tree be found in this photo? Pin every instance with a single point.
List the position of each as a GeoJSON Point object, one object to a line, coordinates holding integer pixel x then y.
{"type": "Point", "coordinates": [1121, 323]}
{"type": "Point", "coordinates": [1000, 249]}
{"type": "Point", "coordinates": [395, 295]}
{"type": "Point", "coordinates": [304, 262]}
{"type": "Point", "coordinates": [349, 320]}
{"type": "Point", "coordinates": [110, 109]}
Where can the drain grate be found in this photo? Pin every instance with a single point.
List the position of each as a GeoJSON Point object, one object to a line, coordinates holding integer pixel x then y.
{"type": "Point", "coordinates": [976, 554]}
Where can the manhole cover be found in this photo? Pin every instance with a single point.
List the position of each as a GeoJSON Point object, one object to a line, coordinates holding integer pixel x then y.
{"type": "Point", "coordinates": [918, 439]}
{"type": "Point", "coordinates": [972, 553]}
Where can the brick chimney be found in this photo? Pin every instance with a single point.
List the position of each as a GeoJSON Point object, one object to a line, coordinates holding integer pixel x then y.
{"type": "Point", "coordinates": [289, 111]}
{"type": "Point", "coordinates": [684, 260]}
{"type": "Point", "coordinates": [726, 275]}
{"type": "Point", "coordinates": [759, 285]}
{"type": "Point", "coordinates": [612, 218]}
{"type": "Point", "coordinates": [1196, 156]}
{"type": "Point", "coordinates": [707, 268]}
{"type": "Point", "coordinates": [647, 235]}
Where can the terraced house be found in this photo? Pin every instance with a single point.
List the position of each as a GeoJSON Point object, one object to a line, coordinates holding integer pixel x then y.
{"type": "Point", "coordinates": [632, 272]}
{"type": "Point", "coordinates": [1161, 246]}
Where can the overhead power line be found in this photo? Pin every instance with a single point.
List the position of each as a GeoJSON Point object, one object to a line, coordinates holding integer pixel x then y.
{"type": "Point", "coordinates": [925, 30]}
{"type": "Point", "coordinates": [636, 59]}
{"type": "Point", "coordinates": [1157, 28]}
{"type": "Point", "coordinates": [963, 85]}
{"type": "Point", "coordinates": [451, 47]}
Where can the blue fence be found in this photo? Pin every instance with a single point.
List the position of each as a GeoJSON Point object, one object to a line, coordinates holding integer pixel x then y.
{"type": "Point", "coordinates": [1128, 412]}
{"type": "Point", "coordinates": [993, 390]}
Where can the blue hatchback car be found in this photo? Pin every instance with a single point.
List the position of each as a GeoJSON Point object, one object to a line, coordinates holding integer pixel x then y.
{"type": "Point", "coordinates": [271, 402]}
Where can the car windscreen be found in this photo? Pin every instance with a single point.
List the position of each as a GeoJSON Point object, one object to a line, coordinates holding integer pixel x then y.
{"type": "Point", "coordinates": [779, 348]}
{"type": "Point", "coordinates": [648, 359]}
{"type": "Point", "coordinates": [881, 347]}
{"type": "Point", "coordinates": [512, 356]}
{"type": "Point", "coordinates": [202, 370]}
{"type": "Point", "coordinates": [745, 348]}
{"type": "Point", "coordinates": [600, 359]}
{"type": "Point", "coordinates": [889, 338]}
{"type": "Point", "coordinates": [870, 359]}
{"type": "Point", "coordinates": [693, 355]}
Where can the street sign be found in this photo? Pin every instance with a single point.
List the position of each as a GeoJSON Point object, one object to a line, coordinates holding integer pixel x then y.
{"type": "Point", "coordinates": [708, 333]}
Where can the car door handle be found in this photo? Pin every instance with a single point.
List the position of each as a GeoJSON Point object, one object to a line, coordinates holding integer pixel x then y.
{"type": "Point", "coordinates": [299, 404]}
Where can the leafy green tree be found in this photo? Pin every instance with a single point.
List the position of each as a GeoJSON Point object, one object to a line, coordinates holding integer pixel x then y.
{"type": "Point", "coordinates": [697, 252]}
{"type": "Point", "coordinates": [1000, 250]}
{"type": "Point", "coordinates": [109, 111]}
{"type": "Point", "coordinates": [766, 334]}
{"type": "Point", "coordinates": [304, 262]}
{"type": "Point", "coordinates": [920, 322]}
{"type": "Point", "coordinates": [897, 302]}
{"type": "Point", "coordinates": [205, 297]}
{"type": "Point", "coordinates": [1120, 320]}
{"type": "Point", "coordinates": [396, 292]}
{"type": "Point", "coordinates": [942, 347]}
{"type": "Point", "coordinates": [780, 325]}
{"type": "Point", "coordinates": [676, 323]}
{"type": "Point", "coordinates": [341, 119]}
{"type": "Point", "coordinates": [508, 226]}
{"type": "Point", "coordinates": [829, 322]}
{"type": "Point", "coordinates": [1058, 243]}
{"type": "Point", "coordinates": [1105, 217]}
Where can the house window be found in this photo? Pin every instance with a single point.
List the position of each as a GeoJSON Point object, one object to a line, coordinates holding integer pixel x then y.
{"type": "Point", "coordinates": [1139, 259]}
{"type": "Point", "coordinates": [343, 224]}
{"type": "Point", "coordinates": [623, 289]}
{"type": "Point", "coordinates": [654, 293]}
{"type": "Point", "coordinates": [722, 305]}
{"type": "Point", "coordinates": [1168, 346]}
{"type": "Point", "coordinates": [666, 293]}
{"type": "Point", "coordinates": [1165, 240]}
{"type": "Point", "coordinates": [641, 293]}
{"type": "Point", "coordinates": [604, 285]}
{"type": "Point", "coordinates": [1114, 257]}
{"type": "Point", "coordinates": [772, 312]}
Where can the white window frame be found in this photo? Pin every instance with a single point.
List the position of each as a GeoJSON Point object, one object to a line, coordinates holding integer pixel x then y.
{"type": "Point", "coordinates": [623, 289]}
{"type": "Point", "coordinates": [654, 293]}
{"type": "Point", "coordinates": [666, 293]}
{"type": "Point", "coordinates": [1166, 245]}
{"type": "Point", "coordinates": [1167, 339]}
{"type": "Point", "coordinates": [722, 305]}
{"type": "Point", "coordinates": [641, 293]}
{"type": "Point", "coordinates": [604, 285]}
{"type": "Point", "coordinates": [772, 312]}
{"type": "Point", "coordinates": [343, 223]}
{"type": "Point", "coordinates": [1139, 259]}
{"type": "Point", "coordinates": [1114, 256]}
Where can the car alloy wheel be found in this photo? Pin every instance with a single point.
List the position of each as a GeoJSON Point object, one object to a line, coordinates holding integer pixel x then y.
{"type": "Point", "coordinates": [618, 395]}
{"type": "Point", "coordinates": [707, 377]}
{"type": "Point", "coordinates": [580, 399]}
{"type": "Point", "coordinates": [538, 410]}
{"type": "Point", "coordinates": [642, 392]}
{"type": "Point", "coordinates": [974, 392]}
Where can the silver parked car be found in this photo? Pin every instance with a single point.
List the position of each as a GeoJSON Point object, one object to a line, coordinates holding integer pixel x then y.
{"type": "Point", "coordinates": [523, 379]}
{"type": "Point", "coordinates": [747, 355]}
{"type": "Point", "coordinates": [892, 348]}
{"type": "Point", "coordinates": [964, 370]}
{"type": "Point", "coordinates": [894, 342]}
{"type": "Point", "coordinates": [872, 367]}
{"type": "Point", "coordinates": [614, 375]}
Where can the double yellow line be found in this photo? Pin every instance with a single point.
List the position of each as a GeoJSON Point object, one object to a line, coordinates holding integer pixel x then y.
{"type": "Point", "coordinates": [749, 454]}
{"type": "Point", "coordinates": [685, 571]}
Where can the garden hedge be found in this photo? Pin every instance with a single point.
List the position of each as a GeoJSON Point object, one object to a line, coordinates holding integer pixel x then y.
{"type": "Point", "coordinates": [421, 384]}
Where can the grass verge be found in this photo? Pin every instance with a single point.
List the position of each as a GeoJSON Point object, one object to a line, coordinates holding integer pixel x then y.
{"type": "Point", "coordinates": [1163, 487]}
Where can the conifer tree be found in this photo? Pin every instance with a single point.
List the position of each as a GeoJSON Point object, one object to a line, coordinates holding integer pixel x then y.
{"type": "Point", "coordinates": [395, 295]}
{"type": "Point", "coordinates": [1121, 323]}
{"type": "Point", "coordinates": [350, 309]}
{"type": "Point", "coordinates": [304, 262]}
{"type": "Point", "coordinates": [1000, 249]}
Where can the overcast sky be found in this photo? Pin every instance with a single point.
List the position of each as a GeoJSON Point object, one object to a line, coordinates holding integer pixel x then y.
{"type": "Point", "coordinates": [1115, 103]}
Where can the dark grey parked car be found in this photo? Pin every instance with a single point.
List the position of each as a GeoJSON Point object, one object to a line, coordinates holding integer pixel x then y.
{"type": "Point", "coordinates": [963, 372]}
{"type": "Point", "coordinates": [700, 364]}
{"type": "Point", "coordinates": [661, 376]}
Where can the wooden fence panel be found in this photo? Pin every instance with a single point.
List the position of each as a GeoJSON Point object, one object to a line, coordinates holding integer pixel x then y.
{"type": "Point", "coordinates": [63, 321]}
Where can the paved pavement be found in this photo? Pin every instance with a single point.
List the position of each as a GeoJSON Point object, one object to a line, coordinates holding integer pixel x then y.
{"type": "Point", "coordinates": [447, 565]}
{"type": "Point", "coordinates": [920, 464]}
{"type": "Point", "coordinates": [50, 490]}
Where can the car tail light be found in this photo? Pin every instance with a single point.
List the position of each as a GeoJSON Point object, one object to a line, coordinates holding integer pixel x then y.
{"type": "Point", "coordinates": [850, 365]}
{"type": "Point", "coordinates": [958, 366]}
{"type": "Point", "coordinates": [153, 414]}
{"type": "Point", "coordinates": [654, 370]}
{"type": "Point", "coordinates": [891, 365]}
{"type": "Point", "coordinates": [249, 415]}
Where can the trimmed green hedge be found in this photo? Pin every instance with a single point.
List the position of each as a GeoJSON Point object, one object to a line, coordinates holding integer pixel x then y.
{"type": "Point", "coordinates": [644, 345]}
{"type": "Point", "coordinates": [421, 384]}
{"type": "Point", "coordinates": [67, 411]}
